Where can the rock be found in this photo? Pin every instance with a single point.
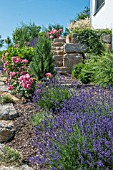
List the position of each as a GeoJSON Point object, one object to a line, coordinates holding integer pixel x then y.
{"type": "Point", "coordinates": [8, 112]}
{"type": "Point", "coordinates": [62, 70]}
{"type": "Point", "coordinates": [58, 60]}
{"type": "Point", "coordinates": [71, 48]}
{"type": "Point", "coordinates": [1, 147]}
{"type": "Point", "coordinates": [7, 130]}
{"type": "Point", "coordinates": [3, 88]}
{"type": "Point", "coordinates": [107, 38]}
{"type": "Point", "coordinates": [108, 46]}
{"type": "Point", "coordinates": [59, 40]}
{"type": "Point", "coordinates": [13, 98]}
{"type": "Point", "coordinates": [1, 83]}
{"type": "Point", "coordinates": [59, 52]}
{"type": "Point", "coordinates": [68, 39]}
{"type": "Point", "coordinates": [71, 59]}
{"type": "Point", "coordinates": [58, 44]}
{"type": "Point", "coordinates": [4, 79]}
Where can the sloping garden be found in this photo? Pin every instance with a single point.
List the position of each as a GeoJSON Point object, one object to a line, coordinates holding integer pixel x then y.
{"type": "Point", "coordinates": [65, 121]}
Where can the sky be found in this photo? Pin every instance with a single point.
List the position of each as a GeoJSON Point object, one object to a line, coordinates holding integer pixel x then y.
{"type": "Point", "coordinates": [41, 12]}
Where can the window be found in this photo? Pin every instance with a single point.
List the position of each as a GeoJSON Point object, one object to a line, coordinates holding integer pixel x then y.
{"type": "Point", "coordinates": [98, 5]}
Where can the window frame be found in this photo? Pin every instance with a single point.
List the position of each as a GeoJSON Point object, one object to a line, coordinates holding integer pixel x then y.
{"type": "Point", "coordinates": [98, 9]}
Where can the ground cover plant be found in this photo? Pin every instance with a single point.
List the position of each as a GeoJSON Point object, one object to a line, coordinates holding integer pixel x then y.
{"type": "Point", "coordinates": [80, 136]}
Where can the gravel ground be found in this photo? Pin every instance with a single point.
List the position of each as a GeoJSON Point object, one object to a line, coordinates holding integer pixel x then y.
{"type": "Point", "coordinates": [22, 141]}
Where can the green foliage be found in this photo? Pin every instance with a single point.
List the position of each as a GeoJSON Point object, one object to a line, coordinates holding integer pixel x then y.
{"type": "Point", "coordinates": [77, 70]}
{"type": "Point", "coordinates": [42, 61]}
{"type": "Point", "coordinates": [8, 42]}
{"type": "Point", "coordinates": [56, 27]}
{"type": "Point", "coordinates": [1, 42]}
{"type": "Point", "coordinates": [84, 14]}
{"type": "Point", "coordinates": [10, 156]}
{"type": "Point", "coordinates": [51, 98]}
{"type": "Point", "coordinates": [104, 70]}
{"type": "Point", "coordinates": [92, 39]}
{"type": "Point", "coordinates": [6, 99]}
{"type": "Point", "coordinates": [86, 72]}
{"type": "Point", "coordinates": [23, 53]}
{"type": "Point", "coordinates": [25, 34]}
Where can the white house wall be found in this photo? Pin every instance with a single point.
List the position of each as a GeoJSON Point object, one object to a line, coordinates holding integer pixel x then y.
{"type": "Point", "coordinates": [104, 17]}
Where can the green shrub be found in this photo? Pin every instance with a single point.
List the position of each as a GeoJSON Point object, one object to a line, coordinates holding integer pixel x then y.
{"type": "Point", "coordinates": [77, 70]}
{"type": "Point", "coordinates": [42, 61]}
{"type": "Point", "coordinates": [6, 99]}
{"type": "Point", "coordinates": [26, 34]}
{"type": "Point", "coordinates": [92, 39]}
{"type": "Point", "coordinates": [104, 70]}
{"type": "Point", "coordinates": [10, 156]}
{"type": "Point", "coordinates": [52, 97]}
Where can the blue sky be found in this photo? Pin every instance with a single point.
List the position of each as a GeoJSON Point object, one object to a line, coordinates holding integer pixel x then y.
{"type": "Point", "coordinates": [41, 12]}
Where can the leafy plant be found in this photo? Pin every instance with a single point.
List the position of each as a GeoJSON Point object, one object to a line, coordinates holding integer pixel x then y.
{"type": "Point", "coordinates": [51, 97]}
{"type": "Point", "coordinates": [92, 39]}
{"type": "Point", "coordinates": [84, 14]}
{"type": "Point", "coordinates": [77, 70]}
{"type": "Point", "coordinates": [6, 99]}
{"type": "Point", "coordinates": [10, 156]}
{"type": "Point", "coordinates": [26, 34]}
{"type": "Point", "coordinates": [104, 70]}
{"type": "Point", "coordinates": [42, 61]}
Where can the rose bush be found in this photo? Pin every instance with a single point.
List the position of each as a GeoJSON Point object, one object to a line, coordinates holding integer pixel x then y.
{"type": "Point", "coordinates": [17, 68]}
{"type": "Point", "coordinates": [55, 33]}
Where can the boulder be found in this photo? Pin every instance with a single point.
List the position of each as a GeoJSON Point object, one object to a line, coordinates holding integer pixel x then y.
{"type": "Point", "coordinates": [58, 52]}
{"type": "Point", "coordinates": [72, 48]}
{"type": "Point", "coordinates": [70, 60]}
{"type": "Point", "coordinates": [107, 38]}
{"type": "Point", "coordinates": [13, 98]}
{"type": "Point", "coordinates": [7, 130]}
{"type": "Point", "coordinates": [23, 167]}
{"type": "Point", "coordinates": [8, 112]}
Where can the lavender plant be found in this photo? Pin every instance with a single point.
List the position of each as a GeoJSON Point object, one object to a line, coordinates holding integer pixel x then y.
{"type": "Point", "coordinates": [81, 136]}
{"type": "Point", "coordinates": [51, 95]}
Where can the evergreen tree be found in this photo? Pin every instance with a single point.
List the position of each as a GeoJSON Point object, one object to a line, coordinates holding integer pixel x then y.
{"type": "Point", "coordinates": [42, 61]}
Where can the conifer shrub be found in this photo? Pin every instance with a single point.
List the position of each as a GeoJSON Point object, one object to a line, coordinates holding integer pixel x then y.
{"type": "Point", "coordinates": [42, 61]}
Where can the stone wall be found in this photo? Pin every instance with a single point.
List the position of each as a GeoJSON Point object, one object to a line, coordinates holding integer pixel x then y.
{"type": "Point", "coordinates": [68, 51]}
{"type": "Point", "coordinates": [66, 55]}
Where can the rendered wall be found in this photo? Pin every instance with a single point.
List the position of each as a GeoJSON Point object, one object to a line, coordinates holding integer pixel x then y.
{"type": "Point", "coordinates": [104, 17]}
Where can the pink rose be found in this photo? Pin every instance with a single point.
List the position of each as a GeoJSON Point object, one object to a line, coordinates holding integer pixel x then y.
{"type": "Point", "coordinates": [49, 75]}
{"type": "Point", "coordinates": [10, 87]}
{"type": "Point", "coordinates": [24, 61]}
{"type": "Point", "coordinates": [3, 56]}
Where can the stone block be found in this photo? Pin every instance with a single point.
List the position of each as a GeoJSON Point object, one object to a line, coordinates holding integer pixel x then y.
{"type": "Point", "coordinates": [62, 70]}
{"type": "Point", "coordinates": [70, 60]}
{"type": "Point", "coordinates": [8, 112]}
{"type": "Point", "coordinates": [68, 38]}
{"type": "Point", "coordinates": [72, 48]}
{"type": "Point", "coordinates": [107, 38]}
{"type": "Point", "coordinates": [59, 52]}
{"type": "Point", "coordinates": [58, 60]}
{"type": "Point", "coordinates": [7, 130]}
{"type": "Point", "coordinates": [57, 44]}
{"type": "Point", "coordinates": [63, 40]}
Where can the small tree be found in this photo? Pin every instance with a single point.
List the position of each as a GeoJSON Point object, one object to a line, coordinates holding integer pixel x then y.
{"type": "Point", "coordinates": [26, 34]}
{"type": "Point", "coordinates": [42, 61]}
{"type": "Point", "coordinates": [84, 14]}
{"type": "Point", "coordinates": [1, 42]}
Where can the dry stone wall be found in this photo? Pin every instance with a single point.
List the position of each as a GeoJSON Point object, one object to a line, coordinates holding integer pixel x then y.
{"type": "Point", "coordinates": [66, 54]}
